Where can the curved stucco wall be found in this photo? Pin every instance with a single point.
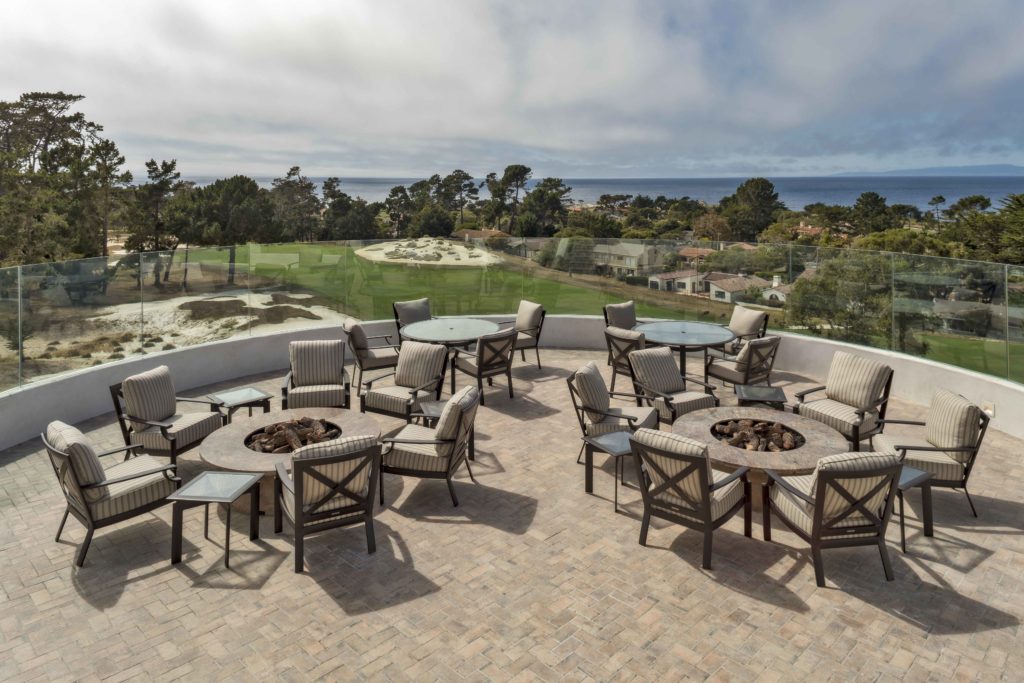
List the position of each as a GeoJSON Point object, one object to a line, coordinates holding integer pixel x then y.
{"type": "Point", "coordinates": [80, 395]}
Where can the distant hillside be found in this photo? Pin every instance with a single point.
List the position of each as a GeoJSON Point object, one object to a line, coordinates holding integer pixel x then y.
{"type": "Point", "coordinates": [978, 170]}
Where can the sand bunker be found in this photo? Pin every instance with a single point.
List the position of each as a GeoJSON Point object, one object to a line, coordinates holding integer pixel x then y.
{"type": "Point", "coordinates": [429, 250]}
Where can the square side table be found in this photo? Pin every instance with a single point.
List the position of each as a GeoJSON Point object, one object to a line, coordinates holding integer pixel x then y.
{"type": "Point", "coordinates": [215, 487]}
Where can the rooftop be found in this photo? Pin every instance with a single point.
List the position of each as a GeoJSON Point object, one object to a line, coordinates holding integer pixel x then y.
{"type": "Point", "coordinates": [528, 578]}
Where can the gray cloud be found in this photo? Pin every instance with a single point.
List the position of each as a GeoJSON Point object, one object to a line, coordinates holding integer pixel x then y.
{"type": "Point", "coordinates": [572, 88]}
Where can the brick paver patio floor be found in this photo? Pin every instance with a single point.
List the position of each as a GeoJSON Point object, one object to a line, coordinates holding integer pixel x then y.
{"type": "Point", "coordinates": [530, 578]}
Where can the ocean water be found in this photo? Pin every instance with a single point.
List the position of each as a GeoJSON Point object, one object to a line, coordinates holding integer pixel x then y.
{"type": "Point", "coordinates": [796, 193]}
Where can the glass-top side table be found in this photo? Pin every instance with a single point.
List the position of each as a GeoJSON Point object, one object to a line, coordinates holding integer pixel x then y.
{"type": "Point", "coordinates": [246, 397]}
{"type": "Point", "coordinates": [757, 393]}
{"type": "Point", "coordinates": [615, 444]}
{"type": "Point", "coordinates": [215, 487]}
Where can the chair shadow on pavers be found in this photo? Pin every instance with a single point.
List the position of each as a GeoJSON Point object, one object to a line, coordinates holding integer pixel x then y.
{"type": "Point", "coordinates": [504, 510]}
{"type": "Point", "coordinates": [361, 583]}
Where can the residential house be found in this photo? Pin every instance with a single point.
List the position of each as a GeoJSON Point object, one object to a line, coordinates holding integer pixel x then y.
{"type": "Point", "coordinates": [688, 281]}
{"type": "Point", "coordinates": [625, 258]}
{"type": "Point", "coordinates": [695, 255]}
{"type": "Point", "coordinates": [730, 288]}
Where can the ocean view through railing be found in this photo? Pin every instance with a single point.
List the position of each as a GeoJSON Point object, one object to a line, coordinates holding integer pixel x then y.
{"type": "Point", "coordinates": [64, 316]}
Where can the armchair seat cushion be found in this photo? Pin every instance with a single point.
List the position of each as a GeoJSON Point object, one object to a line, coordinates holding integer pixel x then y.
{"type": "Point", "coordinates": [645, 417]}
{"type": "Point", "coordinates": [394, 400]}
{"type": "Point", "coordinates": [317, 396]}
{"type": "Point", "coordinates": [726, 370]}
{"type": "Point", "coordinates": [72, 441]}
{"type": "Point", "coordinates": [722, 500]}
{"type": "Point", "coordinates": [188, 428]}
{"type": "Point", "coordinates": [839, 416]}
{"type": "Point", "coordinates": [525, 341]}
{"type": "Point", "coordinates": [683, 402]}
{"type": "Point", "coordinates": [107, 501]}
{"type": "Point", "coordinates": [378, 357]}
{"type": "Point", "coordinates": [940, 465]}
{"type": "Point", "coordinates": [150, 396]}
{"type": "Point", "coordinates": [415, 456]}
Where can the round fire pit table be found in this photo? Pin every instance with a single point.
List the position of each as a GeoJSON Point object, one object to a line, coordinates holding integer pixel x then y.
{"type": "Point", "coordinates": [819, 440]}
{"type": "Point", "coordinates": [225, 449]}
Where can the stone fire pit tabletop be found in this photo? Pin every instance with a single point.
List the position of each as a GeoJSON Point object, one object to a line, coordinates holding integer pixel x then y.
{"type": "Point", "coordinates": [821, 439]}
{"type": "Point", "coordinates": [225, 449]}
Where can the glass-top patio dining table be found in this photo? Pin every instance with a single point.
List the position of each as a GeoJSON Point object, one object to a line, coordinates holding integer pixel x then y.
{"type": "Point", "coordinates": [449, 331]}
{"type": "Point", "coordinates": [686, 335]}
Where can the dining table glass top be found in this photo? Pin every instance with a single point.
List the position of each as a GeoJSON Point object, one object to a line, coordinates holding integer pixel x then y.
{"type": "Point", "coordinates": [686, 333]}
{"type": "Point", "coordinates": [448, 330]}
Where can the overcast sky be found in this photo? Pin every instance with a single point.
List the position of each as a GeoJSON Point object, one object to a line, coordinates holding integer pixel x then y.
{"type": "Point", "coordinates": [605, 88]}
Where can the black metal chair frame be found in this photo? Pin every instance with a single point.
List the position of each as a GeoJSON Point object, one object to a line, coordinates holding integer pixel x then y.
{"type": "Point", "coordinates": [312, 521]}
{"type": "Point", "coordinates": [698, 517]}
{"type": "Point", "coordinates": [968, 467]}
{"type": "Point", "coordinates": [760, 363]}
{"type": "Point", "coordinates": [499, 346]}
{"type": "Point", "coordinates": [650, 393]}
{"type": "Point", "coordinates": [78, 507]}
{"type": "Point", "coordinates": [618, 357]}
{"type": "Point", "coordinates": [532, 332]}
{"type": "Point", "coordinates": [879, 405]}
{"type": "Point", "coordinates": [840, 537]}
{"type": "Point", "coordinates": [434, 385]}
{"type": "Point", "coordinates": [125, 421]}
{"type": "Point", "coordinates": [457, 457]}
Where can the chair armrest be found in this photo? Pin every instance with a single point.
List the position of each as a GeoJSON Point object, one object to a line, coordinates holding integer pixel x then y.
{"type": "Point", "coordinates": [629, 420]}
{"type": "Point", "coordinates": [433, 442]}
{"type": "Point", "coordinates": [205, 401]}
{"type": "Point", "coordinates": [506, 322]}
{"type": "Point", "coordinates": [368, 384]}
{"type": "Point", "coordinates": [801, 394]}
{"type": "Point", "coordinates": [152, 423]}
{"type": "Point", "coordinates": [286, 383]}
{"type": "Point", "coordinates": [624, 394]}
{"type": "Point", "coordinates": [695, 380]}
{"type": "Point", "coordinates": [422, 387]}
{"type": "Point", "coordinates": [900, 422]}
{"type": "Point", "coordinates": [653, 392]}
{"type": "Point", "coordinates": [129, 477]}
{"type": "Point", "coordinates": [119, 449]}
{"type": "Point", "coordinates": [776, 479]}
{"type": "Point", "coordinates": [741, 473]}
{"type": "Point", "coordinates": [935, 449]}
{"type": "Point", "coordinates": [285, 477]}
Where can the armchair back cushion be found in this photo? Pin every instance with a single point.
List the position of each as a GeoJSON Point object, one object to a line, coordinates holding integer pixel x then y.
{"type": "Point", "coordinates": [621, 315]}
{"type": "Point", "coordinates": [317, 362]}
{"type": "Point", "coordinates": [692, 484]}
{"type": "Point", "coordinates": [592, 390]}
{"type": "Point", "coordinates": [656, 368]}
{"type": "Point", "coordinates": [856, 381]}
{"type": "Point", "coordinates": [314, 490]}
{"type": "Point", "coordinates": [495, 350]}
{"type": "Point", "coordinates": [418, 363]}
{"type": "Point", "coordinates": [73, 442]}
{"type": "Point", "coordinates": [953, 422]}
{"type": "Point", "coordinates": [409, 312]}
{"type": "Point", "coordinates": [528, 317]}
{"type": "Point", "coordinates": [758, 351]}
{"type": "Point", "coordinates": [356, 334]}
{"type": "Point", "coordinates": [857, 486]}
{"type": "Point", "coordinates": [150, 396]}
{"type": "Point", "coordinates": [746, 322]}
{"type": "Point", "coordinates": [462, 404]}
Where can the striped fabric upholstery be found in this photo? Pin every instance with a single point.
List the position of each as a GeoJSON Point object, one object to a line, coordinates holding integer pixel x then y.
{"type": "Point", "coordinates": [792, 508]}
{"type": "Point", "coordinates": [187, 429]}
{"type": "Point", "coordinates": [317, 362]}
{"type": "Point", "coordinates": [722, 499]}
{"type": "Point", "coordinates": [150, 396]}
{"type": "Point", "coordinates": [592, 390]}
{"type": "Point", "coordinates": [953, 422]}
{"type": "Point", "coordinates": [645, 417]}
{"type": "Point", "coordinates": [839, 416]}
{"type": "Point", "coordinates": [621, 315]}
{"type": "Point", "coordinates": [853, 463]}
{"type": "Point", "coordinates": [73, 442]}
{"type": "Point", "coordinates": [464, 401]}
{"type": "Point", "coordinates": [415, 456]}
{"type": "Point", "coordinates": [682, 403]}
{"type": "Point", "coordinates": [855, 381]}
{"type": "Point", "coordinates": [692, 486]}
{"type": "Point", "coordinates": [528, 316]}
{"type": "Point", "coordinates": [412, 311]}
{"type": "Point", "coordinates": [317, 396]}
{"type": "Point", "coordinates": [656, 368]}
{"type": "Point", "coordinates": [313, 489]}
{"type": "Point", "coordinates": [393, 400]}
{"type": "Point", "coordinates": [941, 466]}
{"type": "Point", "coordinates": [419, 363]}
{"type": "Point", "coordinates": [107, 501]}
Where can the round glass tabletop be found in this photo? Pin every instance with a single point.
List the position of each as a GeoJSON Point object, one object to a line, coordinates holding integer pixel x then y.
{"type": "Point", "coordinates": [448, 330]}
{"type": "Point", "coordinates": [686, 333]}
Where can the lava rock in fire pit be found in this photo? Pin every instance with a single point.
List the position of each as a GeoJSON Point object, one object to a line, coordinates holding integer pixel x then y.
{"type": "Point", "coordinates": [757, 435]}
{"type": "Point", "coordinates": [288, 436]}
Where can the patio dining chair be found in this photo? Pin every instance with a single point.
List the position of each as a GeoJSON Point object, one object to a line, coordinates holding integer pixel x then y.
{"type": "Point", "coordinates": [655, 372]}
{"type": "Point", "coordinates": [678, 484]}
{"type": "Point", "coordinates": [752, 365]}
{"type": "Point", "coordinates": [425, 453]}
{"type": "Point", "coordinates": [492, 357]}
{"type": "Point", "coordinates": [328, 485]}
{"type": "Point", "coordinates": [621, 343]}
{"type": "Point", "coordinates": [409, 312]}
{"type": "Point", "coordinates": [847, 501]}
{"type": "Point", "coordinates": [367, 351]}
{"type": "Point", "coordinates": [146, 408]}
{"type": "Point", "coordinates": [316, 377]}
{"type": "Point", "coordinates": [418, 374]}
{"type": "Point", "coordinates": [528, 325]}
{"type": "Point", "coordinates": [99, 497]}
{"type": "Point", "coordinates": [746, 324]}
{"type": "Point", "coordinates": [620, 315]}
{"type": "Point", "coordinates": [953, 431]}
{"type": "Point", "coordinates": [856, 396]}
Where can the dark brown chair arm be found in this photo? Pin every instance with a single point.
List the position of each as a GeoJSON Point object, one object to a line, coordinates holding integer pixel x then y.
{"type": "Point", "coordinates": [741, 473]}
{"type": "Point", "coordinates": [776, 479]}
{"type": "Point", "coordinates": [801, 394]}
{"type": "Point", "coordinates": [286, 383]}
{"type": "Point", "coordinates": [695, 380]}
{"type": "Point", "coordinates": [624, 394]}
{"type": "Point", "coordinates": [204, 401]}
{"type": "Point", "coordinates": [423, 387]}
{"type": "Point", "coordinates": [934, 449]}
{"type": "Point", "coordinates": [368, 384]}
{"type": "Point", "coordinates": [432, 442]}
{"type": "Point", "coordinates": [119, 449]}
{"type": "Point", "coordinates": [129, 477]}
{"type": "Point", "coordinates": [654, 392]}
{"type": "Point", "coordinates": [900, 422]}
{"type": "Point", "coordinates": [284, 477]}
{"type": "Point", "coordinates": [630, 420]}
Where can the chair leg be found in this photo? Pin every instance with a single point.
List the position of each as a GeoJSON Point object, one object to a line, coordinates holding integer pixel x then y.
{"type": "Point", "coordinates": [766, 514]}
{"type": "Point", "coordinates": [614, 375]}
{"type": "Point", "coordinates": [616, 477]}
{"type": "Point", "coordinates": [708, 535]}
{"type": "Point", "coordinates": [522, 354]}
{"type": "Point", "coordinates": [970, 502]}
{"type": "Point", "coordinates": [480, 388]}
{"type": "Point", "coordinates": [63, 519]}
{"type": "Point", "coordinates": [509, 375]}
{"type": "Point", "coordinates": [886, 565]}
{"type": "Point", "coordinates": [299, 560]}
{"type": "Point", "coordinates": [903, 528]}
{"type": "Point", "coordinates": [470, 470]}
{"type": "Point", "coordinates": [579, 456]}
{"type": "Point", "coordinates": [381, 477]}
{"type": "Point", "coordinates": [536, 350]}
{"type": "Point", "coordinates": [747, 509]}
{"type": "Point", "coordinates": [451, 491]}
{"type": "Point", "coordinates": [371, 540]}
{"type": "Point", "coordinates": [278, 494]}
{"type": "Point", "coordinates": [644, 525]}
{"type": "Point", "coordinates": [819, 568]}
{"type": "Point", "coordinates": [84, 548]}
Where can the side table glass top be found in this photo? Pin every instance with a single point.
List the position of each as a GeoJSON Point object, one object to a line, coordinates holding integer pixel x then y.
{"type": "Point", "coordinates": [216, 487]}
{"type": "Point", "coordinates": [239, 397]}
{"type": "Point", "coordinates": [685, 333]}
{"type": "Point", "coordinates": [448, 330]}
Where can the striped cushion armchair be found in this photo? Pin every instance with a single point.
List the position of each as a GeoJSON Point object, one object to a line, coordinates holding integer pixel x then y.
{"type": "Point", "coordinates": [656, 374]}
{"type": "Point", "coordinates": [679, 485]}
{"type": "Point", "coordinates": [591, 401]}
{"type": "Point", "coordinates": [328, 485]}
{"type": "Point", "coordinates": [97, 496]}
{"type": "Point", "coordinates": [529, 323]}
{"type": "Point", "coordinates": [856, 394]}
{"type": "Point", "coordinates": [948, 448]}
{"type": "Point", "coordinates": [419, 373]}
{"type": "Point", "coordinates": [146, 408]}
{"type": "Point", "coordinates": [746, 324]}
{"type": "Point", "coordinates": [846, 501]}
{"type": "Point", "coordinates": [437, 453]}
{"type": "Point", "coordinates": [368, 352]}
{"type": "Point", "coordinates": [317, 376]}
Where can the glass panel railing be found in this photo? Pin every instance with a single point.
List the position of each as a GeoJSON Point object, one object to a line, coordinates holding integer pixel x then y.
{"type": "Point", "coordinates": [80, 313]}
{"type": "Point", "coordinates": [296, 285]}
{"type": "Point", "coordinates": [10, 330]}
{"type": "Point", "coordinates": [1015, 322]}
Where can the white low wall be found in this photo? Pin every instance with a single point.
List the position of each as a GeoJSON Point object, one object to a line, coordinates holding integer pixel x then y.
{"type": "Point", "coordinates": [80, 395]}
